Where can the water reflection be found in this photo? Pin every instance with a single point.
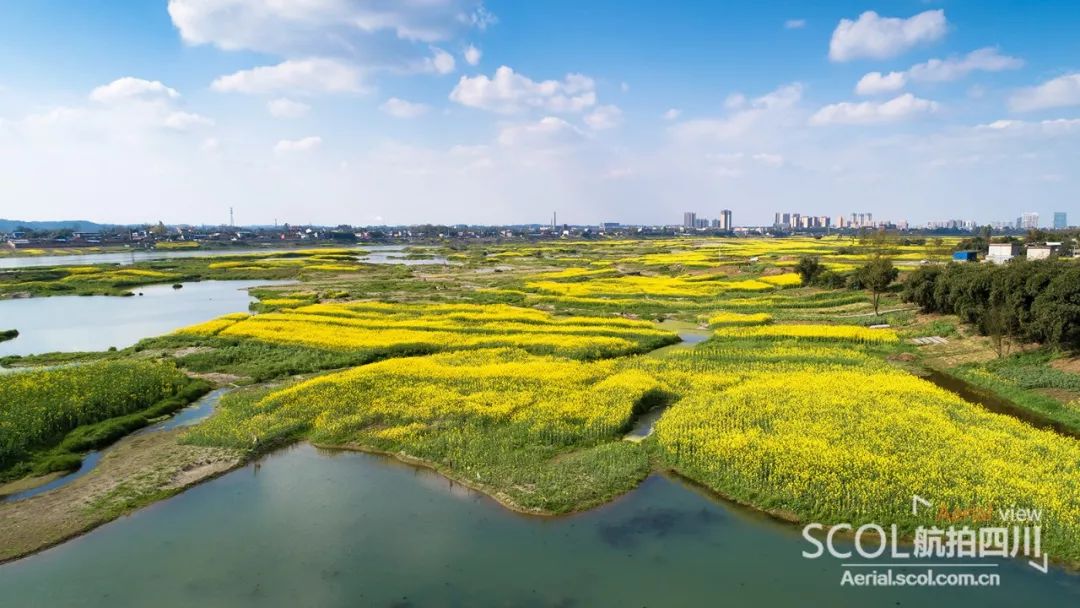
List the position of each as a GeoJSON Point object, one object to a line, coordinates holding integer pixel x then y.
{"type": "Point", "coordinates": [349, 530]}
{"type": "Point", "coordinates": [378, 254]}
{"type": "Point", "coordinates": [93, 323]}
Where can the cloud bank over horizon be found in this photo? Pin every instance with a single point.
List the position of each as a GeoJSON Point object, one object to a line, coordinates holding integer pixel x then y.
{"type": "Point", "coordinates": [363, 112]}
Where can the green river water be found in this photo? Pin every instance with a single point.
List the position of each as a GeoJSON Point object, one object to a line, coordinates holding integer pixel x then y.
{"type": "Point", "coordinates": [310, 528]}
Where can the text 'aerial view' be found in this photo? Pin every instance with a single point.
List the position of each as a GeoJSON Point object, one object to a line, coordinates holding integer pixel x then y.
{"type": "Point", "coordinates": [539, 303]}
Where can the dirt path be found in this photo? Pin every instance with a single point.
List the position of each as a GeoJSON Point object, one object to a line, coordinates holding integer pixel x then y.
{"type": "Point", "coordinates": [884, 312]}
{"type": "Point", "coordinates": [134, 472]}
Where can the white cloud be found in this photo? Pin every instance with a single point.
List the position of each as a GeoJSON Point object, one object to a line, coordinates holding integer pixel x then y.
{"type": "Point", "coordinates": [133, 102]}
{"type": "Point", "coordinates": [783, 97]}
{"type": "Point", "coordinates": [440, 62]}
{"type": "Point", "coordinates": [60, 116]}
{"type": "Point", "coordinates": [769, 160]}
{"type": "Point", "coordinates": [400, 108]}
{"type": "Point", "coordinates": [735, 101]}
{"type": "Point", "coordinates": [900, 108]}
{"type": "Point", "coordinates": [736, 164]}
{"type": "Point", "coordinates": [747, 115]}
{"type": "Point", "coordinates": [472, 55]}
{"type": "Point", "coordinates": [306, 26]}
{"type": "Point", "coordinates": [794, 24]}
{"type": "Point", "coordinates": [130, 88]}
{"type": "Point", "coordinates": [624, 87]}
{"type": "Point", "coordinates": [726, 157]}
{"type": "Point", "coordinates": [672, 113]}
{"type": "Point", "coordinates": [474, 157]}
{"type": "Point", "coordinates": [284, 107]}
{"type": "Point", "coordinates": [604, 117]}
{"type": "Point", "coordinates": [550, 131]}
{"type": "Point", "coordinates": [508, 92]}
{"type": "Point", "coordinates": [1050, 127]}
{"type": "Point", "coordinates": [876, 82]}
{"type": "Point", "coordinates": [298, 76]}
{"type": "Point", "coordinates": [876, 37]}
{"type": "Point", "coordinates": [182, 121]}
{"type": "Point", "coordinates": [306, 144]}
{"type": "Point", "coordinates": [211, 145]}
{"type": "Point", "coordinates": [1060, 92]}
{"type": "Point", "coordinates": [986, 59]}
{"type": "Point", "coordinates": [618, 173]}
{"type": "Point", "coordinates": [327, 45]}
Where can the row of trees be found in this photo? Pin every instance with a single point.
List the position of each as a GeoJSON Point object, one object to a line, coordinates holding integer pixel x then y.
{"type": "Point", "coordinates": [876, 276]}
{"type": "Point", "coordinates": [1030, 301]}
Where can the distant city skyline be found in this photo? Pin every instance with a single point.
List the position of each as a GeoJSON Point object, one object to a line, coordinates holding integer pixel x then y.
{"type": "Point", "coordinates": [462, 111]}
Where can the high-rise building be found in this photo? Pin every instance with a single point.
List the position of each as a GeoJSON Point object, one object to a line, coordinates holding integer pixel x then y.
{"type": "Point", "coordinates": [701, 222]}
{"type": "Point", "coordinates": [1061, 222]}
{"type": "Point", "coordinates": [689, 219]}
{"type": "Point", "coordinates": [1029, 220]}
{"type": "Point", "coordinates": [776, 220]}
{"type": "Point", "coordinates": [725, 219]}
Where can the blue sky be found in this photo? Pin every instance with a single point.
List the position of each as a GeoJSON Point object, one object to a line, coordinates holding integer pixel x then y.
{"type": "Point", "coordinates": [405, 111]}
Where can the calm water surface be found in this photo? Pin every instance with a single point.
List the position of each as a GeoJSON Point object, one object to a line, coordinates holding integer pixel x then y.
{"type": "Point", "coordinates": [86, 323]}
{"type": "Point", "coordinates": [379, 254]}
{"type": "Point", "coordinates": [306, 528]}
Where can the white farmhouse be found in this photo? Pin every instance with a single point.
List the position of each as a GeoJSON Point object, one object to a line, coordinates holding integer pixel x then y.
{"type": "Point", "coordinates": [1041, 252]}
{"type": "Point", "coordinates": [1002, 252]}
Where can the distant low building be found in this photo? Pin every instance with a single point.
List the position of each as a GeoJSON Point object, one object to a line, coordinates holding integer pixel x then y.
{"type": "Point", "coordinates": [1041, 252]}
{"type": "Point", "coordinates": [1002, 252]}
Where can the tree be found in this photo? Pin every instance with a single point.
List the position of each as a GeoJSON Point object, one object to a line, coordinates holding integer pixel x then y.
{"type": "Point", "coordinates": [920, 286]}
{"type": "Point", "coordinates": [809, 269]}
{"type": "Point", "coordinates": [877, 275]}
{"type": "Point", "coordinates": [1055, 310]}
{"type": "Point", "coordinates": [996, 323]}
{"type": "Point", "coordinates": [831, 280]}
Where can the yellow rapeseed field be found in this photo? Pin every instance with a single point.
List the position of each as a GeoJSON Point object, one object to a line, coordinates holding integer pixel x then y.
{"type": "Point", "coordinates": [846, 333]}
{"type": "Point", "coordinates": [411, 328]}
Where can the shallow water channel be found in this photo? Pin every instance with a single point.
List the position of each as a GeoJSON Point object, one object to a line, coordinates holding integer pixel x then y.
{"type": "Point", "coordinates": [993, 403]}
{"type": "Point", "coordinates": [314, 528]}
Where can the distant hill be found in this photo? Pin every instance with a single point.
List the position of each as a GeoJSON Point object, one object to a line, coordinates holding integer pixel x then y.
{"type": "Point", "coordinates": [76, 225]}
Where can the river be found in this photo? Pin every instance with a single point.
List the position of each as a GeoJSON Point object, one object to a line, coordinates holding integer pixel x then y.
{"type": "Point", "coordinates": [377, 254]}
{"type": "Point", "coordinates": [91, 323]}
{"type": "Point", "coordinates": [310, 528]}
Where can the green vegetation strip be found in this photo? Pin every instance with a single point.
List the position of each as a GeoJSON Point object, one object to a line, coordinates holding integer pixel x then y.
{"type": "Point", "coordinates": [49, 417]}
